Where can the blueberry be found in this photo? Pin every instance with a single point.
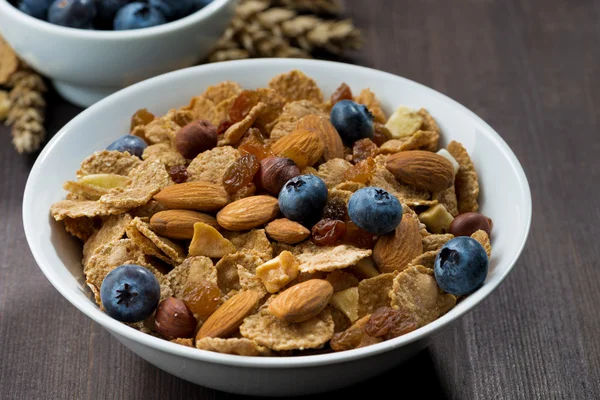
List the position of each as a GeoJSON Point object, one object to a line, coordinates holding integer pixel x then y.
{"type": "Point", "coordinates": [174, 9]}
{"type": "Point", "coordinates": [461, 266]}
{"type": "Point", "coordinates": [375, 210]}
{"type": "Point", "coordinates": [35, 8]}
{"type": "Point", "coordinates": [133, 144]}
{"type": "Point", "coordinates": [302, 199]}
{"type": "Point", "coordinates": [72, 13]}
{"type": "Point", "coordinates": [130, 293]}
{"type": "Point", "coordinates": [138, 15]}
{"type": "Point", "coordinates": [353, 121]}
{"type": "Point", "coordinates": [200, 4]}
{"type": "Point", "coordinates": [106, 11]}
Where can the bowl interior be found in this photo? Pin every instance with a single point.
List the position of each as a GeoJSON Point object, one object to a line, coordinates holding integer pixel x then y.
{"type": "Point", "coordinates": [505, 195]}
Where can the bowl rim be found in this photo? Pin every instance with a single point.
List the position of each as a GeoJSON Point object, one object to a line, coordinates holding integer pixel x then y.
{"type": "Point", "coordinates": [134, 335]}
{"type": "Point", "coordinates": [48, 28]}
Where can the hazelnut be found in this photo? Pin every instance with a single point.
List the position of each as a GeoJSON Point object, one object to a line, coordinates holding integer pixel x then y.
{"type": "Point", "coordinates": [173, 319]}
{"type": "Point", "coordinates": [275, 172]}
{"type": "Point", "coordinates": [195, 137]}
{"type": "Point", "coordinates": [468, 223]}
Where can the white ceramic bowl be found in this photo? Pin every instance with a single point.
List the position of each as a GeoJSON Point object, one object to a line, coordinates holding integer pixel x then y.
{"type": "Point", "coordinates": [86, 66]}
{"type": "Point", "coordinates": [505, 197]}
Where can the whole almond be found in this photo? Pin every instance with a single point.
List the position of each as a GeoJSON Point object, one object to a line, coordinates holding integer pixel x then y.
{"type": "Point", "coordinates": [248, 213]}
{"type": "Point", "coordinates": [303, 146]}
{"type": "Point", "coordinates": [333, 146]}
{"type": "Point", "coordinates": [303, 301]}
{"type": "Point", "coordinates": [421, 169]}
{"type": "Point", "coordinates": [229, 316]}
{"type": "Point", "coordinates": [285, 231]}
{"type": "Point", "coordinates": [395, 250]}
{"type": "Point", "coordinates": [179, 224]}
{"type": "Point", "coordinates": [202, 196]}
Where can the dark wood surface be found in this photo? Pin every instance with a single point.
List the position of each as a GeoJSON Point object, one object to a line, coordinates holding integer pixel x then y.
{"type": "Point", "coordinates": [529, 68]}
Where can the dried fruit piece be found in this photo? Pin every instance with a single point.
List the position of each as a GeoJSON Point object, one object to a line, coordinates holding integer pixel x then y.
{"type": "Point", "coordinates": [106, 181]}
{"type": "Point", "coordinates": [278, 272]}
{"type": "Point", "coordinates": [352, 337]}
{"type": "Point", "coordinates": [253, 143]}
{"type": "Point", "coordinates": [223, 126]}
{"type": "Point", "coordinates": [368, 98]}
{"type": "Point", "coordinates": [356, 236]}
{"type": "Point", "coordinates": [202, 298]}
{"type": "Point", "coordinates": [240, 173]}
{"type": "Point", "coordinates": [437, 219]}
{"type": "Point", "coordinates": [229, 315]}
{"type": "Point", "coordinates": [207, 241]}
{"type": "Point", "coordinates": [141, 117]}
{"type": "Point", "coordinates": [343, 92]}
{"type": "Point", "coordinates": [363, 149]}
{"type": "Point", "coordinates": [389, 323]}
{"type": "Point", "coordinates": [236, 131]}
{"type": "Point", "coordinates": [361, 172]}
{"type": "Point", "coordinates": [381, 134]}
{"type": "Point", "coordinates": [302, 302]}
{"type": "Point", "coordinates": [327, 232]}
{"type": "Point", "coordinates": [178, 173]}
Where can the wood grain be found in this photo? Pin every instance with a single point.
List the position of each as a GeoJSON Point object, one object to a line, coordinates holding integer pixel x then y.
{"type": "Point", "coordinates": [531, 69]}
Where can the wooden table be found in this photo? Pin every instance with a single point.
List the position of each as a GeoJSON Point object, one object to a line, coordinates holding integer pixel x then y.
{"type": "Point", "coordinates": [529, 68]}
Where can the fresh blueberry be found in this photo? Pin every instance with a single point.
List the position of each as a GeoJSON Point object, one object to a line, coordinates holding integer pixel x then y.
{"type": "Point", "coordinates": [461, 266]}
{"type": "Point", "coordinates": [375, 210]}
{"type": "Point", "coordinates": [174, 9]}
{"type": "Point", "coordinates": [200, 4]}
{"type": "Point", "coordinates": [302, 199]}
{"type": "Point", "coordinates": [72, 13]}
{"type": "Point", "coordinates": [107, 9]}
{"type": "Point", "coordinates": [138, 15]}
{"type": "Point", "coordinates": [133, 144]}
{"type": "Point", "coordinates": [353, 121]}
{"type": "Point", "coordinates": [130, 293]}
{"type": "Point", "coordinates": [35, 8]}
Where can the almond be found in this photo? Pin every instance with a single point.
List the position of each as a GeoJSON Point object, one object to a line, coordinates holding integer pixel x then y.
{"type": "Point", "coordinates": [201, 196]}
{"type": "Point", "coordinates": [303, 146]}
{"type": "Point", "coordinates": [230, 315]}
{"type": "Point", "coordinates": [333, 146]}
{"type": "Point", "coordinates": [179, 224]}
{"type": "Point", "coordinates": [248, 213]}
{"type": "Point", "coordinates": [285, 231]}
{"type": "Point", "coordinates": [422, 169]}
{"type": "Point", "coordinates": [395, 250]}
{"type": "Point", "coordinates": [303, 301]}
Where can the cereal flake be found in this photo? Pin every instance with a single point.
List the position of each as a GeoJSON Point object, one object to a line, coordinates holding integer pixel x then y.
{"type": "Point", "coordinates": [374, 293]}
{"type": "Point", "coordinates": [435, 242]}
{"type": "Point", "coordinates": [465, 182]}
{"type": "Point", "coordinates": [108, 162]}
{"type": "Point", "coordinates": [482, 237]}
{"type": "Point", "coordinates": [332, 172]}
{"type": "Point", "coordinates": [112, 229]}
{"type": "Point", "coordinates": [211, 165]}
{"type": "Point", "coordinates": [295, 85]}
{"type": "Point", "coordinates": [237, 346]}
{"type": "Point", "coordinates": [368, 98]}
{"type": "Point", "coordinates": [327, 258]}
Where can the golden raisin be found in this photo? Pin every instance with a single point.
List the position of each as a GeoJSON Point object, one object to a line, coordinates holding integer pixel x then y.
{"type": "Point", "coordinates": [240, 173]}
{"type": "Point", "coordinates": [361, 172]}
{"type": "Point", "coordinates": [178, 173]}
{"type": "Point", "coordinates": [389, 323]}
{"type": "Point", "coordinates": [223, 126]}
{"type": "Point", "coordinates": [141, 117]}
{"type": "Point", "coordinates": [253, 143]}
{"type": "Point", "coordinates": [202, 299]}
{"type": "Point", "coordinates": [381, 133]}
{"type": "Point", "coordinates": [243, 104]}
{"type": "Point", "coordinates": [358, 237]}
{"type": "Point", "coordinates": [363, 149]}
{"type": "Point", "coordinates": [341, 93]}
{"type": "Point", "coordinates": [327, 232]}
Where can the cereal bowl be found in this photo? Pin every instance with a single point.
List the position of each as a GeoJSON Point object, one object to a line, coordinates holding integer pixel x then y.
{"type": "Point", "coordinates": [505, 198]}
{"type": "Point", "coordinates": [86, 65]}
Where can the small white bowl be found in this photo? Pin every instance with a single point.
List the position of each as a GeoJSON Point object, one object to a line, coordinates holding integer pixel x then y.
{"type": "Point", "coordinates": [86, 66]}
{"type": "Point", "coordinates": [505, 197]}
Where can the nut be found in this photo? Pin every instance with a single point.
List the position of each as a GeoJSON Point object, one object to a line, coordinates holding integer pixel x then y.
{"type": "Point", "coordinates": [347, 302]}
{"type": "Point", "coordinates": [208, 242]}
{"type": "Point", "coordinates": [106, 181]}
{"type": "Point", "coordinates": [303, 146]}
{"type": "Point", "coordinates": [436, 218]}
{"type": "Point", "coordinates": [278, 272]}
{"type": "Point", "coordinates": [229, 315]}
{"type": "Point", "coordinates": [179, 224]}
{"type": "Point", "coordinates": [421, 169]}
{"type": "Point", "coordinates": [403, 122]}
{"type": "Point", "coordinates": [365, 268]}
{"type": "Point", "coordinates": [303, 301]}
{"type": "Point", "coordinates": [202, 196]}
{"type": "Point", "coordinates": [395, 250]}
{"type": "Point", "coordinates": [174, 320]}
{"type": "Point", "coordinates": [334, 148]}
{"type": "Point", "coordinates": [248, 213]}
{"type": "Point", "coordinates": [285, 231]}
{"type": "Point", "coordinates": [470, 222]}
{"type": "Point", "coordinates": [275, 172]}
{"type": "Point", "coordinates": [195, 138]}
